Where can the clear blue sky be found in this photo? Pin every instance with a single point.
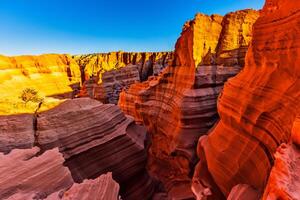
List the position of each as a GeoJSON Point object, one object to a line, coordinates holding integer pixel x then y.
{"type": "Point", "coordinates": [86, 26]}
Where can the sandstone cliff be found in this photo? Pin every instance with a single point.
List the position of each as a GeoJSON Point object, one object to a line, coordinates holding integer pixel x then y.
{"type": "Point", "coordinates": [147, 63]}
{"type": "Point", "coordinates": [179, 106]}
{"type": "Point", "coordinates": [50, 75]}
{"type": "Point", "coordinates": [257, 108]}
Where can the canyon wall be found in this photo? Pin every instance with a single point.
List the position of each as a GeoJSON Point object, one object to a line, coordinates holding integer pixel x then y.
{"type": "Point", "coordinates": [148, 63]}
{"type": "Point", "coordinates": [179, 105]}
{"type": "Point", "coordinates": [49, 74]}
{"type": "Point", "coordinates": [82, 138]}
{"type": "Point", "coordinates": [257, 107]}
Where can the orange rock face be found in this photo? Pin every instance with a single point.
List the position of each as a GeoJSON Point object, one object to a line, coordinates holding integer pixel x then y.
{"type": "Point", "coordinates": [180, 105]}
{"type": "Point", "coordinates": [97, 64]}
{"type": "Point", "coordinates": [284, 180]}
{"type": "Point", "coordinates": [258, 107]}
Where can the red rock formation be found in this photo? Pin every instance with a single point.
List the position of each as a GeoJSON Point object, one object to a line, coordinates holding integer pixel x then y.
{"type": "Point", "coordinates": [51, 74]}
{"type": "Point", "coordinates": [97, 138]}
{"type": "Point", "coordinates": [243, 192]}
{"type": "Point", "coordinates": [114, 81]}
{"type": "Point", "coordinates": [284, 180]}
{"type": "Point", "coordinates": [180, 105]}
{"type": "Point", "coordinates": [16, 132]}
{"type": "Point", "coordinates": [25, 176]}
{"type": "Point", "coordinates": [102, 188]}
{"type": "Point", "coordinates": [96, 64]}
{"type": "Point", "coordinates": [258, 106]}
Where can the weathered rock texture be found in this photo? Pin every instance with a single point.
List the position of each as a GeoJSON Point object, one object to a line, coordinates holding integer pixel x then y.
{"type": "Point", "coordinates": [50, 74]}
{"type": "Point", "coordinates": [97, 138]}
{"type": "Point", "coordinates": [16, 132]}
{"type": "Point", "coordinates": [102, 188]}
{"type": "Point", "coordinates": [94, 139]}
{"type": "Point", "coordinates": [257, 108]}
{"type": "Point", "coordinates": [243, 192]}
{"type": "Point", "coordinates": [148, 63]}
{"type": "Point", "coordinates": [25, 176]}
{"type": "Point", "coordinates": [180, 105]}
{"type": "Point", "coordinates": [114, 81]}
{"type": "Point", "coordinates": [284, 180]}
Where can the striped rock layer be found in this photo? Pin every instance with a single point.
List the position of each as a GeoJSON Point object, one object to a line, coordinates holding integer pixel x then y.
{"type": "Point", "coordinates": [148, 63]}
{"type": "Point", "coordinates": [179, 106]}
{"type": "Point", "coordinates": [257, 107]}
{"type": "Point", "coordinates": [93, 138]}
{"type": "Point", "coordinates": [25, 175]}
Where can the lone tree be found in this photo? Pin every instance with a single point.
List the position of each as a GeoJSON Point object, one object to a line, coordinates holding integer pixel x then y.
{"type": "Point", "coordinates": [30, 94]}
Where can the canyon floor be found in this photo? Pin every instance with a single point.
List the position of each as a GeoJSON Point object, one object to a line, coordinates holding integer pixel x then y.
{"type": "Point", "coordinates": [217, 118]}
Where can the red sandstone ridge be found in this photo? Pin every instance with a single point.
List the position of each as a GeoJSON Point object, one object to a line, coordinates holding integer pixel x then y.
{"type": "Point", "coordinates": [257, 108]}
{"type": "Point", "coordinates": [179, 106]}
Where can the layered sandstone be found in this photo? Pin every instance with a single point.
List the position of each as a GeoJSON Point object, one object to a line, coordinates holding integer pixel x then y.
{"type": "Point", "coordinates": [243, 192]}
{"type": "Point", "coordinates": [114, 81]}
{"type": "Point", "coordinates": [101, 188]}
{"type": "Point", "coordinates": [24, 175]}
{"type": "Point", "coordinates": [179, 105]}
{"type": "Point", "coordinates": [257, 108]}
{"type": "Point", "coordinates": [96, 138]}
{"type": "Point", "coordinates": [16, 132]}
{"type": "Point", "coordinates": [148, 63]}
{"type": "Point", "coordinates": [49, 74]}
{"type": "Point", "coordinates": [284, 180]}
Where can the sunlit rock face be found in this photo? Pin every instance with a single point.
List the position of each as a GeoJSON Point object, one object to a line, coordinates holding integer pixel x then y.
{"type": "Point", "coordinates": [147, 63]}
{"type": "Point", "coordinates": [179, 105]}
{"type": "Point", "coordinates": [50, 75]}
{"type": "Point", "coordinates": [96, 138]}
{"type": "Point", "coordinates": [92, 139]}
{"type": "Point", "coordinates": [114, 81]}
{"type": "Point", "coordinates": [257, 107]}
{"type": "Point", "coordinates": [24, 175]}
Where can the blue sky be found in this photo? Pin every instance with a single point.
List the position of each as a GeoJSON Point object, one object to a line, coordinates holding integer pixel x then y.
{"type": "Point", "coordinates": [88, 26]}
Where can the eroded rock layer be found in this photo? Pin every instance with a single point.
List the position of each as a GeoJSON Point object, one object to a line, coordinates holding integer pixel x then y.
{"type": "Point", "coordinates": [284, 180]}
{"type": "Point", "coordinates": [179, 105]}
{"type": "Point", "coordinates": [114, 81]}
{"type": "Point", "coordinates": [101, 188]}
{"type": "Point", "coordinates": [16, 132]}
{"type": "Point", "coordinates": [96, 138]}
{"type": "Point", "coordinates": [148, 63]}
{"type": "Point", "coordinates": [50, 74]}
{"type": "Point", "coordinates": [257, 108]}
{"type": "Point", "coordinates": [23, 175]}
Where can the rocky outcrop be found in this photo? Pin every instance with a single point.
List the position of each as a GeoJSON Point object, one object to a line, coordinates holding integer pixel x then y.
{"type": "Point", "coordinates": [50, 74]}
{"type": "Point", "coordinates": [284, 180]}
{"type": "Point", "coordinates": [179, 105]}
{"type": "Point", "coordinates": [24, 175]}
{"type": "Point", "coordinates": [114, 81]}
{"type": "Point", "coordinates": [147, 63]}
{"type": "Point", "coordinates": [102, 188]}
{"type": "Point", "coordinates": [92, 137]}
{"type": "Point", "coordinates": [243, 192]}
{"type": "Point", "coordinates": [96, 138]}
{"type": "Point", "coordinates": [16, 132]}
{"type": "Point", "coordinates": [258, 106]}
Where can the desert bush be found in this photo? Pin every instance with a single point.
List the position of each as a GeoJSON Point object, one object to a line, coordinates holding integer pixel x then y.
{"type": "Point", "coordinates": [30, 95]}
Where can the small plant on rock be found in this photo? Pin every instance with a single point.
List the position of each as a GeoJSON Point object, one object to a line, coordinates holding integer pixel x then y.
{"type": "Point", "coordinates": [30, 95]}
